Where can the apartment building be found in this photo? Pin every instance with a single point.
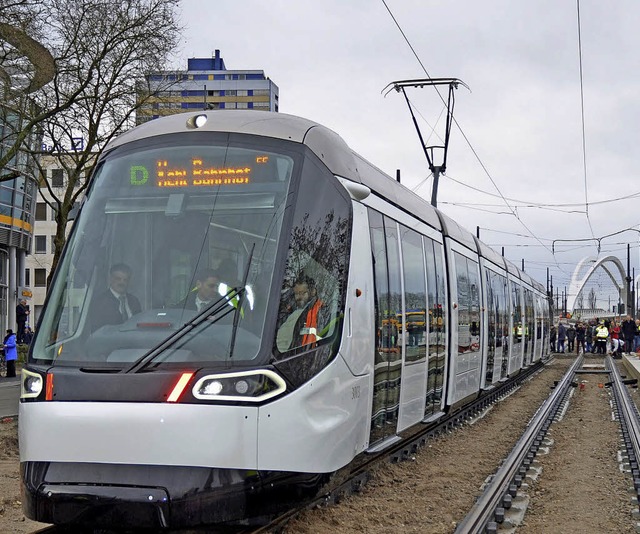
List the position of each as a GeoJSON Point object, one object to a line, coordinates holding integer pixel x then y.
{"type": "Point", "coordinates": [207, 84]}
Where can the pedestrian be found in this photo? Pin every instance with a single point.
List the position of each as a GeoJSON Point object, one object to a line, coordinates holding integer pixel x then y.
{"type": "Point", "coordinates": [615, 334]}
{"type": "Point", "coordinates": [28, 335]}
{"type": "Point", "coordinates": [10, 353]}
{"type": "Point", "coordinates": [602, 333]}
{"type": "Point", "coordinates": [571, 337]}
{"type": "Point", "coordinates": [580, 337]}
{"type": "Point", "coordinates": [628, 333]}
{"type": "Point", "coordinates": [552, 338]}
{"type": "Point", "coordinates": [588, 337]}
{"type": "Point", "coordinates": [562, 336]}
{"type": "Point", "coordinates": [22, 316]}
{"type": "Point", "coordinates": [636, 339]}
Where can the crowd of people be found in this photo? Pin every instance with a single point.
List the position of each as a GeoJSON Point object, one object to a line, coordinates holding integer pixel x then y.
{"type": "Point", "coordinates": [598, 336]}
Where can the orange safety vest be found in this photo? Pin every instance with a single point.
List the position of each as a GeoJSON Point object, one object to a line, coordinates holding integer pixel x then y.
{"type": "Point", "coordinates": [309, 331]}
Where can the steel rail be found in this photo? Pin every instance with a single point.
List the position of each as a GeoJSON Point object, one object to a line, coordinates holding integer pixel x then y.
{"type": "Point", "coordinates": [629, 421]}
{"type": "Point", "coordinates": [506, 480]}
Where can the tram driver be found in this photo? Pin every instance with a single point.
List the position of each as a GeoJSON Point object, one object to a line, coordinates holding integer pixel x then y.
{"type": "Point", "coordinates": [115, 305]}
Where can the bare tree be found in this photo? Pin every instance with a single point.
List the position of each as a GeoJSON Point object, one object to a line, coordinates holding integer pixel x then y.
{"type": "Point", "coordinates": [25, 67]}
{"type": "Point", "coordinates": [580, 301]}
{"type": "Point", "coordinates": [102, 49]}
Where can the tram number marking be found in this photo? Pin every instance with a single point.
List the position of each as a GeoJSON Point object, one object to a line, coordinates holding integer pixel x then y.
{"type": "Point", "coordinates": [355, 392]}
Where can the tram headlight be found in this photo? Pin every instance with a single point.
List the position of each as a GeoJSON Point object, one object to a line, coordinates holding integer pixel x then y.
{"type": "Point", "coordinates": [31, 384]}
{"type": "Point", "coordinates": [247, 386]}
{"type": "Point", "coordinates": [242, 386]}
{"type": "Point", "coordinates": [196, 121]}
{"type": "Point", "coordinates": [214, 387]}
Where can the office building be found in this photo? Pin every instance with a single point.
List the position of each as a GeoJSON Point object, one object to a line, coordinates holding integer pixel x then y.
{"type": "Point", "coordinates": [207, 84]}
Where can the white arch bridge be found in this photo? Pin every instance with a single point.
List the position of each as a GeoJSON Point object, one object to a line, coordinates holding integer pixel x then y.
{"type": "Point", "coordinates": [585, 269]}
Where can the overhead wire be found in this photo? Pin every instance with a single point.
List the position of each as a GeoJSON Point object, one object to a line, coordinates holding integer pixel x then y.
{"type": "Point", "coordinates": [584, 139]}
{"type": "Point", "coordinates": [476, 155]}
{"type": "Point", "coordinates": [488, 174]}
{"type": "Point", "coordinates": [527, 203]}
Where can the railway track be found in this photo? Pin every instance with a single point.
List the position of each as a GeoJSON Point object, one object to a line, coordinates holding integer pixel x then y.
{"type": "Point", "coordinates": [498, 495]}
{"type": "Point", "coordinates": [354, 481]}
{"type": "Point", "coordinates": [492, 511]}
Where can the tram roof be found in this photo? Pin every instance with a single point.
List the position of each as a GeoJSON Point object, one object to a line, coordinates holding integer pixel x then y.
{"type": "Point", "coordinates": [332, 150]}
{"type": "Point", "coordinates": [324, 142]}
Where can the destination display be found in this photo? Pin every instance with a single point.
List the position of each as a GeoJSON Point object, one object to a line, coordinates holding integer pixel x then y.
{"type": "Point", "coordinates": [196, 174]}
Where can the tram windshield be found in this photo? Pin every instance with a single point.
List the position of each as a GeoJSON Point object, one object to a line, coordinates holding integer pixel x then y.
{"type": "Point", "coordinates": [176, 238]}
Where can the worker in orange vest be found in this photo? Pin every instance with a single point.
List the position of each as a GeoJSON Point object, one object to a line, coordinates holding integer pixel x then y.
{"type": "Point", "coordinates": [301, 328]}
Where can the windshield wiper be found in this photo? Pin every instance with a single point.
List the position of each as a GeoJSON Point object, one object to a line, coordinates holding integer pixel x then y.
{"type": "Point", "coordinates": [209, 314]}
{"type": "Point", "coordinates": [236, 316]}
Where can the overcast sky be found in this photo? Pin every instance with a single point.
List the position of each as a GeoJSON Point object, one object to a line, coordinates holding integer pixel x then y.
{"type": "Point", "coordinates": [519, 129]}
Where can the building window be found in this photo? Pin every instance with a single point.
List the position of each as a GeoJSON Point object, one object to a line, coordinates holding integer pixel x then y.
{"type": "Point", "coordinates": [27, 277]}
{"type": "Point", "coordinates": [53, 244]}
{"type": "Point", "coordinates": [242, 105]}
{"type": "Point", "coordinates": [57, 177]}
{"type": "Point", "coordinates": [242, 92]}
{"type": "Point", "coordinates": [40, 244]}
{"type": "Point", "coordinates": [41, 211]}
{"type": "Point", "coordinates": [40, 276]}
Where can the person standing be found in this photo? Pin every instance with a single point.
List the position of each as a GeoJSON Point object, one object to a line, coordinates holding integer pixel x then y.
{"type": "Point", "coordinates": [588, 337]}
{"type": "Point", "coordinates": [552, 338]}
{"type": "Point", "coordinates": [562, 336]}
{"type": "Point", "coordinates": [614, 333]}
{"type": "Point", "coordinates": [602, 333]}
{"type": "Point", "coordinates": [10, 353]}
{"type": "Point", "coordinates": [571, 337]}
{"type": "Point", "coordinates": [22, 316]}
{"type": "Point", "coordinates": [580, 337]}
{"type": "Point", "coordinates": [628, 333]}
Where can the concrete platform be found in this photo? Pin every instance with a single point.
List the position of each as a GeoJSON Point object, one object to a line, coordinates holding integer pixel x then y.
{"type": "Point", "coordinates": [632, 365]}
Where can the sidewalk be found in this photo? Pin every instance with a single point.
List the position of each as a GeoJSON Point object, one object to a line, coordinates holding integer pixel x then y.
{"type": "Point", "coordinates": [9, 396]}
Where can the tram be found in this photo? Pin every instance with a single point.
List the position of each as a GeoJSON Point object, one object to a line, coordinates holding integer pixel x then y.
{"type": "Point", "coordinates": [140, 409]}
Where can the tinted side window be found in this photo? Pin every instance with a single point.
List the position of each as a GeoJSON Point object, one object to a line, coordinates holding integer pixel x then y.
{"type": "Point", "coordinates": [312, 295]}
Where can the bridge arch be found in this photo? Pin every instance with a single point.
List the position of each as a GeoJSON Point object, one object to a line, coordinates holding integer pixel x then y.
{"type": "Point", "coordinates": [585, 269]}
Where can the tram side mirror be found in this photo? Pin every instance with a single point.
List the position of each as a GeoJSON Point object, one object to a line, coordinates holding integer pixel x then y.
{"type": "Point", "coordinates": [73, 212]}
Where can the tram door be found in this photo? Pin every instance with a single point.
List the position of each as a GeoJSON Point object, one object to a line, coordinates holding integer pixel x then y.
{"type": "Point", "coordinates": [388, 350]}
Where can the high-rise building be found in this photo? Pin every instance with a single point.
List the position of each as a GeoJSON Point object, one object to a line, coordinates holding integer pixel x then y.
{"type": "Point", "coordinates": [17, 206]}
{"type": "Point", "coordinates": [207, 84]}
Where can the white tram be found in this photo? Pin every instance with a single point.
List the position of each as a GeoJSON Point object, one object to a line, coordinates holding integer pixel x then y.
{"type": "Point", "coordinates": [157, 414]}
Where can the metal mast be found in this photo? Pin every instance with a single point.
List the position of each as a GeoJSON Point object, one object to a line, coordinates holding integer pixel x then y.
{"type": "Point", "coordinates": [453, 83]}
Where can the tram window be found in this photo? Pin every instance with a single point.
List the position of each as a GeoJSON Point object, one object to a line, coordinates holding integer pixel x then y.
{"type": "Point", "coordinates": [312, 295]}
{"type": "Point", "coordinates": [516, 311]}
{"type": "Point", "coordinates": [388, 301]}
{"type": "Point", "coordinates": [168, 210]}
{"type": "Point", "coordinates": [492, 316]}
{"type": "Point", "coordinates": [440, 314]}
{"type": "Point", "coordinates": [474, 305]}
{"type": "Point", "coordinates": [413, 324]}
{"type": "Point", "coordinates": [464, 303]}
